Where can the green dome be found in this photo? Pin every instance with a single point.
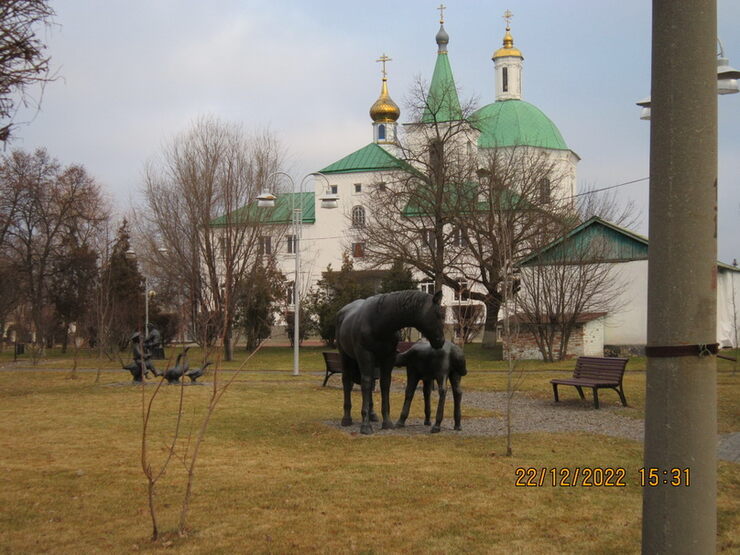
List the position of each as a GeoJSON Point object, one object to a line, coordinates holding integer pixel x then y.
{"type": "Point", "coordinates": [516, 123]}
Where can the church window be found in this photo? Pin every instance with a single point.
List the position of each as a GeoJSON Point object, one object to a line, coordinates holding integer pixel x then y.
{"type": "Point", "coordinates": [505, 79]}
{"type": "Point", "coordinates": [292, 244]}
{"type": "Point", "coordinates": [458, 238]}
{"type": "Point", "coordinates": [265, 245]}
{"type": "Point", "coordinates": [462, 293]}
{"type": "Point", "coordinates": [545, 191]}
{"type": "Point", "coordinates": [381, 132]}
{"type": "Point", "coordinates": [358, 250]}
{"type": "Point", "coordinates": [333, 189]}
{"type": "Point", "coordinates": [430, 238]}
{"type": "Point", "coordinates": [358, 216]}
{"type": "Point", "coordinates": [358, 187]}
{"type": "Point", "coordinates": [427, 286]}
{"type": "Point", "coordinates": [382, 186]}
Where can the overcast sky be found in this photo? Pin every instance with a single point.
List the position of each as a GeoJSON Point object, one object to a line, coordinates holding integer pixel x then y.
{"type": "Point", "coordinates": [135, 73]}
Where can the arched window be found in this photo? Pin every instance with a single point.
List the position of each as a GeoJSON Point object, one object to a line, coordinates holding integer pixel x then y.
{"type": "Point", "coordinates": [545, 190]}
{"type": "Point", "coordinates": [381, 132]}
{"type": "Point", "coordinates": [505, 79]}
{"type": "Point", "coordinates": [358, 216]}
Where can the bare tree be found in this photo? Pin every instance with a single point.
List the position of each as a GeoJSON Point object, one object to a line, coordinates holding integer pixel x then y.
{"type": "Point", "coordinates": [450, 204]}
{"type": "Point", "coordinates": [199, 223]}
{"type": "Point", "coordinates": [23, 60]}
{"type": "Point", "coordinates": [411, 210]}
{"type": "Point", "coordinates": [568, 276]}
{"type": "Point", "coordinates": [504, 212]}
{"type": "Point", "coordinates": [53, 208]}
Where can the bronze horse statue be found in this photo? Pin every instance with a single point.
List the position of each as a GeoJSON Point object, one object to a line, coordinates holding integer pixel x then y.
{"type": "Point", "coordinates": [367, 335]}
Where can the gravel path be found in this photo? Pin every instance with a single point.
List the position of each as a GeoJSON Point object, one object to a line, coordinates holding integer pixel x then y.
{"type": "Point", "coordinates": [534, 415]}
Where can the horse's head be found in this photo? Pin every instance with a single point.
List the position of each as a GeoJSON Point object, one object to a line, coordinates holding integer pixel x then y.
{"type": "Point", "coordinates": [433, 321]}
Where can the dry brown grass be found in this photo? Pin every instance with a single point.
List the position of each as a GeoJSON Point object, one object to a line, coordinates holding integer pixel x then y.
{"type": "Point", "coordinates": [273, 478]}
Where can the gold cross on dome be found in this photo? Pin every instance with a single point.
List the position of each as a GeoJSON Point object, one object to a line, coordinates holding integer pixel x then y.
{"type": "Point", "coordinates": [442, 9]}
{"type": "Point", "coordinates": [383, 59]}
{"type": "Point", "coordinates": [507, 17]}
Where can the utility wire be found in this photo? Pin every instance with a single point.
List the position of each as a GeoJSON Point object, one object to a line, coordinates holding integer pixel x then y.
{"type": "Point", "coordinates": [607, 188]}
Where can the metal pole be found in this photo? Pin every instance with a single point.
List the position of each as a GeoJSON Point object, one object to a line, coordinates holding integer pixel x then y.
{"type": "Point", "coordinates": [681, 405]}
{"type": "Point", "coordinates": [297, 220]}
{"type": "Point", "coordinates": [146, 305]}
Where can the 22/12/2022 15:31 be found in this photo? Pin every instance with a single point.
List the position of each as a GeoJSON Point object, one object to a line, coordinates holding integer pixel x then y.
{"type": "Point", "coordinates": [600, 477]}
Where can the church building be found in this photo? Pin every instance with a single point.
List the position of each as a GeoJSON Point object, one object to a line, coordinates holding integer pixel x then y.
{"type": "Point", "coordinates": [509, 122]}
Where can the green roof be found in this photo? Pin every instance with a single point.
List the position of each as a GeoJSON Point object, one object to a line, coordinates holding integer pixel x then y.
{"type": "Point", "coordinates": [442, 101]}
{"type": "Point", "coordinates": [370, 158]}
{"type": "Point", "coordinates": [508, 123]}
{"type": "Point", "coordinates": [619, 245]}
{"type": "Point", "coordinates": [279, 214]}
{"type": "Point", "coordinates": [623, 245]}
{"type": "Point", "coordinates": [468, 193]}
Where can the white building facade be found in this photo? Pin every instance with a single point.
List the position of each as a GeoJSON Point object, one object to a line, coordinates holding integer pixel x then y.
{"type": "Point", "coordinates": [508, 123]}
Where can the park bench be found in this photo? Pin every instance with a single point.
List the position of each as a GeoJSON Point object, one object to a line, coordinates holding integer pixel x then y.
{"type": "Point", "coordinates": [333, 361]}
{"type": "Point", "coordinates": [596, 373]}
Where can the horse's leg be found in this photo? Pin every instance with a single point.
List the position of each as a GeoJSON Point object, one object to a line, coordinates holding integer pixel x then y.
{"type": "Point", "coordinates": [412, 380]}
{"type": "Point", "coordinates": [373, 415]}
{"type": "Point", "coordinates": [455, 379]}
{"type": "Point", "coordinates": [366, 383]}
{"type": "Point", "coordinates": [427, 388]}
{"type": "Point", "coordinates": [441, 389]}
{"type": "Point", "coordinates": [385, 393]}
{"type": "Point", "coordinates": [348, 367]}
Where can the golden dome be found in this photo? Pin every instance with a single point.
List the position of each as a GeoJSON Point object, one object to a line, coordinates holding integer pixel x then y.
{"type": "Point", "coordinates": [384, 110]}
{"type": "Point", "coordinates": [508, 47]}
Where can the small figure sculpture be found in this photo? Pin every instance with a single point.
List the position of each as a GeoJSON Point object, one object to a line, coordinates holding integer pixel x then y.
{"type": "Point", "coordinates": [153, 343]}
{"type": "Point", "coordinates": [424, 363]}
{"type": "Point", "coordinates": [196, 373]}
{"type": "Point", "coordinates": [142, 365]}
{"type": "Point", "coordinates": [182, 365]}
{"type": "Point", "coordinates": [367, 335]}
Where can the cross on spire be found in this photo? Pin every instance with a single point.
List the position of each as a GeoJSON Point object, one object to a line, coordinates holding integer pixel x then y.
{"type": "Point", "coordinates": [442, 9]}
{"type": "Point", "coordinates": [383, 59]}
{"type": "Point", "coordinates": [507, 17]}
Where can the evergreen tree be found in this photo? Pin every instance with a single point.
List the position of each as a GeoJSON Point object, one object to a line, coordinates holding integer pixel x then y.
{"type": "Point", "coordinates": [126, 289]}
{"type": "Point", "coordinates": [257, 298]}
{"type": "Point", "coordinates": [398, 278]}
{"type": "Point", "coordinates": [334, 290]}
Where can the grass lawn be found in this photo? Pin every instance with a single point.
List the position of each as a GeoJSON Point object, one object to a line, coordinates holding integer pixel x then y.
{"type": "Point", "coordinates": [272, 477]}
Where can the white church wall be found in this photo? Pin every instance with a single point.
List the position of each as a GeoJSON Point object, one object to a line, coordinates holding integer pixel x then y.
{"type": "Point", "coordinates": [728, 316]}
{"type": "Point", "coordinates": [627, 325]}
{"type": "Point", "coordinates": [593, 338]}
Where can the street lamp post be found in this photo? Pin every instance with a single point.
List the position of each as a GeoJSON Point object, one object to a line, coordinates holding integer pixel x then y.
{"type": "Point", "coordinates": [328, 200]}
{"type": "Point", "coordinates": [131, 253]}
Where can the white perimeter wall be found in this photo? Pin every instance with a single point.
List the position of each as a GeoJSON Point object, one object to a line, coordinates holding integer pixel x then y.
{"type": "Point", "coordinates": [628, 324]}
{"type": "Point", "coordinates": [728, 316]}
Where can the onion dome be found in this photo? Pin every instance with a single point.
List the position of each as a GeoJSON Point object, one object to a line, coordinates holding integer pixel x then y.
{"type": "Point", "coordinates": [384, 110]}
{"type": "Point", "coordinates": [508, 48]}
{"type": "Point", "coordinates": [442, 38]}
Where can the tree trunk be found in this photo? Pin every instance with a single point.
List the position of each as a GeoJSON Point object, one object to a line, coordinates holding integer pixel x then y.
{"type": "Point", "coordinates": [493, 305]}
{"type": "Point", "coordinates": [65, 338]}
{"type": "Point", "coordinates": [228, 341]}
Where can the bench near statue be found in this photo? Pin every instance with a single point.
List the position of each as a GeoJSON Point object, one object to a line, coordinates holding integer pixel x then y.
{"type": "Point", "coordinates": [595, 373]}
